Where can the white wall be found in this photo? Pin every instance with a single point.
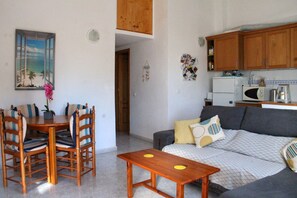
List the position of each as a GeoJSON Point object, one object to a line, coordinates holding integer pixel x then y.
{"type": "Point", "coordinates": [241, 12]}
{"type": "Point", "coordinates": [84, 71]}
{"type": "Point", "coordinates": [236, 13]}
{"type": "Point", "coordinates": [187, 20]}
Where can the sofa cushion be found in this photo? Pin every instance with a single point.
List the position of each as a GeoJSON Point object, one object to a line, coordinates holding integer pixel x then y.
{"type": "Point", "coordinates": [261, 146]}
{"type": "Point", "coordinates": [182, 131]}
{"type": "Point", "coordinates": [230, 117]}
{"type": "Point", "coordinates": [235, 169]}
{"type": "Point", "coordinates": [275, 122]}
{"type": "Point", "coordinates": [207, 132]}
{"type": "Point", "coordinates": [290, 154]}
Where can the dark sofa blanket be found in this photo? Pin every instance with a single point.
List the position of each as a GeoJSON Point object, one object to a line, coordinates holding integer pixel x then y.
{"type": "Point", "coordinates": [280, 185]}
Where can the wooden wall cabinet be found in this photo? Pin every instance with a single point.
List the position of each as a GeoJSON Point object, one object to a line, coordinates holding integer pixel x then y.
{"type": "Point", "coordinates": [135, 15]}
{"type": "Point", "coordinates": [254, 51]}
{"type": "Point", "coordinates": [294, 47]}
{"type": "Point", "coordinates": [267, 50]}
{"type": "Point", "coordinates": [278, 49]}
{"type": "Point", "coordinates": [227, 52]}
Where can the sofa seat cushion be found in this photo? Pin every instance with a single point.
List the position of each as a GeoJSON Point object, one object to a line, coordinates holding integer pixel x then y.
{"type": "Point", "coordinates": [236, 169]}
{"type": "Point", "coordinates": [280, 185]}
{"type": "Point", "coordinates": [266, 147]}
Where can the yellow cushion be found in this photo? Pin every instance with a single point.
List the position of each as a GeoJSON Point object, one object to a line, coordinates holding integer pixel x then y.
{"type": "Point", "coordinates": [182, 131]}
{"type": "Point", "coordinates": [207, 132]}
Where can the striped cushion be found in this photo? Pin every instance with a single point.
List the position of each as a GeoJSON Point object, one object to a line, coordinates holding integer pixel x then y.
{"type": "Point", "coordinates": [70, 109]}
{"type": "Point", "coordinates": [13, 126]}
{"type": "Point", "coordinates": [65, 142]}
{"type": "Point", "coordinates": [28, 110]}
{"type": "Point", "coordinates": [207, 132]}
{"type": "Point", "coordinates": [290, 154]}
{"type": "Point", "coordinates": [33, 145]}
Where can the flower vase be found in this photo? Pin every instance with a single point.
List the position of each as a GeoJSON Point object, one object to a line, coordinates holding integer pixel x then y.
{"type": "Point", "coordinates": [48, 115]}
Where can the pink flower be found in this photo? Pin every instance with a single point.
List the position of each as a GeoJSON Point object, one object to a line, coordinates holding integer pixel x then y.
{"type": "Point", "coordinates": [48, 88]}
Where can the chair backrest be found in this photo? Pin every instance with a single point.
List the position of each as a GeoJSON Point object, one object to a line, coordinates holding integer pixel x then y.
{"type": "Point", "coordinates": [71, 108]}
{"type": "Point", "coordinates": [82, 127]}
{"type": "Point", "coordinates": [28, 110]}
{"type": "Point", "coordinates": [14, 128]}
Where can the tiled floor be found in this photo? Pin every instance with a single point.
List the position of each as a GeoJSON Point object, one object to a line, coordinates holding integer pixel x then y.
{"type": "Point", "coordinates": [110, 181]}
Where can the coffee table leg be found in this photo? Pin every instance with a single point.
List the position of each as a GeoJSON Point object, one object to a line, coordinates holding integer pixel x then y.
{"type": "Point", "coordinates": [205, 182]}
{"type": "Point", "coordinates": [179, 191]}
{"type": "Point", "coordinates": [153, 178]}
{"type": "Point", "coordinates": [129, 180]}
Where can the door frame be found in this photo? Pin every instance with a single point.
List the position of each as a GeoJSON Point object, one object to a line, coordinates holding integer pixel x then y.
{"type": "Point", "coordinates": [117, 53]}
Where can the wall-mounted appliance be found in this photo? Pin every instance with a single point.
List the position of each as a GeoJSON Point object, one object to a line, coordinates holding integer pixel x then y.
{"type": "Point", "coordinates": [252, 93]}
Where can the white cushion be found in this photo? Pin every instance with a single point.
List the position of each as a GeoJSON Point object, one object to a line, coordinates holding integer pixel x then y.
{"type": "Point", "coordinates": [207, 132]}
{"type": "Point", "coordinates": [290, 154]}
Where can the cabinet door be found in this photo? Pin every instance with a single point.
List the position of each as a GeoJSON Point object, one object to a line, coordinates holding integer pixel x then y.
{"type": "Point", "coordinates": [294, 47]}
{"type": "Point", "coordinates": [135, 15]}
{"type": "Point", "coordinates": [254, 51]}
{"type": "Point", "coordinates": [278, 49]}
{"type": "Point", "coordinates": [227, 53]}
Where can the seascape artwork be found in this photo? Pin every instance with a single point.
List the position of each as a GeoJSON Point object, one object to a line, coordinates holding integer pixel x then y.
{"type": "Point", "coordinates": [35, 59]}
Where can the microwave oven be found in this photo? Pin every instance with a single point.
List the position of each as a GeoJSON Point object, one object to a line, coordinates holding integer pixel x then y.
{"type": "Point", "coordinates": [255, 93]}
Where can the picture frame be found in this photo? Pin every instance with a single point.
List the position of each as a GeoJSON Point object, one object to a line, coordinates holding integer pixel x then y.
{"type": "Point", "coordinates": [34, 59]}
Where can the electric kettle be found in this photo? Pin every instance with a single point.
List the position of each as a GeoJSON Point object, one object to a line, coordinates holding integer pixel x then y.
{"type": "Point", "coordinates": [283, 93]}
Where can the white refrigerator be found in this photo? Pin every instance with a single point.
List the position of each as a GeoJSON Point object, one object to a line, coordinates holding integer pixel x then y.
{"type": "Point", "coordinates": [227, 90]}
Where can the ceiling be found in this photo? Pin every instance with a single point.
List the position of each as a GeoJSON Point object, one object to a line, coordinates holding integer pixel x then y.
{"type": "Point", "coordinates": [123, 38]}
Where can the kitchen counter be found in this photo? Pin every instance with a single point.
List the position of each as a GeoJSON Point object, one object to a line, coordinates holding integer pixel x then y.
{"type": "Point", "coordinates": [259, 104]}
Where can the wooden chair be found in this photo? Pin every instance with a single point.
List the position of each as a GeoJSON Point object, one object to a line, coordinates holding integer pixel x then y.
{"type": "Point", "coordinates": [69, 110]}
{"type": "Point", "coordinates": [80, 146]}
{"type": "Point", "coordinates": [13, 130]}
{"type": "Point", "coordinates": [29, 111]}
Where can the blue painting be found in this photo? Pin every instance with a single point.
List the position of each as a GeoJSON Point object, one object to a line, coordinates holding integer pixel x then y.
{"type": "Point", "coordinates": [34, 59]}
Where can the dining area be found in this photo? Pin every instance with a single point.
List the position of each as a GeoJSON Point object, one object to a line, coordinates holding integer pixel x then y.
{"type": "Point", "coordinates": [35, 147]}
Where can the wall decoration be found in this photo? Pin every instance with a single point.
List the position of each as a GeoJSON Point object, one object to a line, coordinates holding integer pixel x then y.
{"type": "Point", "coordinates": [146, 71]}
{"type": "Point", "coordinates": [188, 67]}
{"type": "Point", "coordinates": [34, 59]}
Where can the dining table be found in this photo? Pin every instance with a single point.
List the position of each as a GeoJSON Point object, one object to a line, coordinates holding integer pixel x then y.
{"type": "Point", "coordinates": [51, 126]}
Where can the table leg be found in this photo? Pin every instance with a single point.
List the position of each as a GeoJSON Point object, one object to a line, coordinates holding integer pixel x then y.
{"type": "Point", "coordinates": [129, 180]}
{"type": "Point", "coordinates": [179, 191]}
{"type": "Point", "coordinates": [205, 182]}
{"type": "Point", "coordinates": [153, 178]}
{"type": "Point", "coordinates": [52, 155]}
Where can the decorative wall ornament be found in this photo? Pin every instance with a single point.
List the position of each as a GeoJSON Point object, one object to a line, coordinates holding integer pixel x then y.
{"type": "Point", "coordinates": [146, 71]}
{"type": "Point", "coordinates": [188, 67]}
{"type": "Point", "coordinates": [93, 35]}
{"type": "Point", "coordinates": [34, 59]}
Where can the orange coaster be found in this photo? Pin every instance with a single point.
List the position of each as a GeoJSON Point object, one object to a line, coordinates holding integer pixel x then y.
{"type": "Point", "coordinates": [179, 167]}
{"type": "Point", "coordinates": [148, 155]}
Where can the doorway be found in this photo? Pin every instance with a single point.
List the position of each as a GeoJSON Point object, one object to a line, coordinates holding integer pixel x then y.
{"type": "Point", "coordinates": [122, 91]}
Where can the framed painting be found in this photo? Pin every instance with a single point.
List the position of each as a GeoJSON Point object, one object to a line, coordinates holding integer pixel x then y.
{"type": "Point", "coordinates": [34, 59]}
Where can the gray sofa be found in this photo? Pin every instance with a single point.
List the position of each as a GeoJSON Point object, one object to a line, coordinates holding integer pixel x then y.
{"type": "Point", "coordinates": [272, 122]}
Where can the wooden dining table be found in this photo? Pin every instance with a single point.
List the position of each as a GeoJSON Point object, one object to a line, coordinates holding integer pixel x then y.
{"type": "Point", "coordinates": [59, 122]}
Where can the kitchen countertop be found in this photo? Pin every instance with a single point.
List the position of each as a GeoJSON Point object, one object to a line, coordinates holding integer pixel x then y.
{"type": "Point", "coordinates": [293, 103]}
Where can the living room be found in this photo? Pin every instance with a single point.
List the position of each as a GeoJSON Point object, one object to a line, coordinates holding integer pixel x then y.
{"type": "Point", "coordinates": [85, 70]}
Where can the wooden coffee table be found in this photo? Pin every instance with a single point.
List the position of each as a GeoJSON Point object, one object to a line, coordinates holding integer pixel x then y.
{"type": "Point", "coordinates": [163, 164]}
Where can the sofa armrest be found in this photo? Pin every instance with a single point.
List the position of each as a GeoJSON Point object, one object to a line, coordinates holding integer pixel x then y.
{"type": "Point", "coordinates": [163, 138]}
